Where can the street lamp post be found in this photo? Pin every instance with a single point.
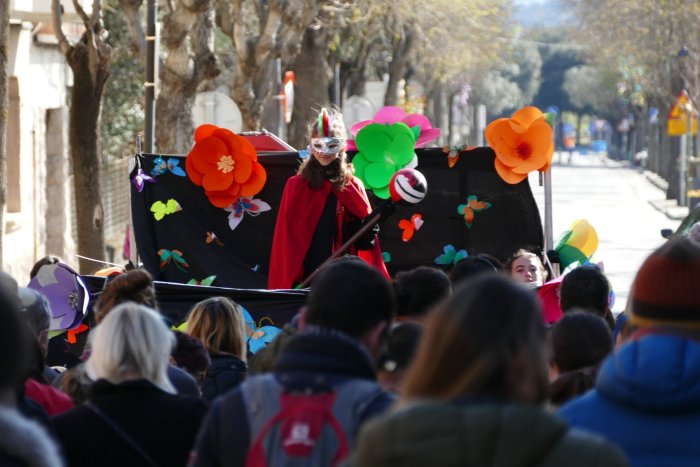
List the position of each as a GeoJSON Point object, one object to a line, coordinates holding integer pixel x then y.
{"type": "Point", "coordinates": [685, 139]}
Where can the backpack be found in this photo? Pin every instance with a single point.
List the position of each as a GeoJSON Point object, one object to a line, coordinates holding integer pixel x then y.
{"type": "Point", "coordinates": [311, 428]}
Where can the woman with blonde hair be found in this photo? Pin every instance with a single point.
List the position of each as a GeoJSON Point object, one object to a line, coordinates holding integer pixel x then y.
{"type": "Point", "coordinates": [132, 416]}
{"type": "Point", "coordinates": [133, 286]}
{"type": "Point", "coordinates": [218, 322]}
{"type": "Point", "coordinates": [474, 392]}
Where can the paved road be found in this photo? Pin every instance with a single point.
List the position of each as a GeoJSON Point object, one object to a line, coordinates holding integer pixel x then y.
{"type": "Point", "coordinates": [616, 201]}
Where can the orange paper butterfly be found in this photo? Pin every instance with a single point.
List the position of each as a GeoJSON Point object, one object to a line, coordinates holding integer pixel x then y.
{"type": "Point", "coordinates": [472, 206]}
{"type": "Point", "coordinates": [410, 227]}
{"type": "Point", "coordinates": [211, 237]}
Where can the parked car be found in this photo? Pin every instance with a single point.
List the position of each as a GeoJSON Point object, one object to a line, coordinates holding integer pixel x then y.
{"type": "Point", "coordinates": [692, 217]}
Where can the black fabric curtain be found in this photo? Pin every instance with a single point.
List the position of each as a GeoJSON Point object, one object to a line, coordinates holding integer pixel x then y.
{"type": "Point", "coordinates": [241, 257]}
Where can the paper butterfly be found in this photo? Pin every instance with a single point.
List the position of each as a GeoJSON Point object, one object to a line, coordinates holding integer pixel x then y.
{"type": "Point", "coordinates": [174, 256]}
{"type": "Point", "coordinates": [160, 166]}
{"type": "Point", "coordinates": [473, 206]}
{"type": "Point", "coordinates": [410, 227]}
{"type": "Point", "coordinates": [259, 336]}
{"type": "Point", "coordinates": [450, 256]}
{"type": "Point", "coordinates": [160, 209]}
{"type": "Point", "coordinates": [242, 205]}
{"type": "Point", "coordinates": [212, 238]}
{"type": "Point", "coordinates": [453, 153]}
{"type": "Point", "coordinates": [141, 178]}
{"type": "Point", "coordinates": [207, 281]}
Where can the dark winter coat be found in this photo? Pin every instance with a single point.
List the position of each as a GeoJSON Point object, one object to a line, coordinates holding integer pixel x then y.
{"type": "Point", "coordinates": [444, 434]}
{"type": "Point", "coordinates": [647, 400]}
{"type": "Point", "coordinates": [162, 425]}
{"type": "Point", "coordinates": [310, 360]}
{"type": "Point", "coordinates": [224, 374]}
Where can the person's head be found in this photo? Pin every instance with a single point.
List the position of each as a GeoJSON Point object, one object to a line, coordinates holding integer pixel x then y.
{"type": "Point", "coordinates": [401, 347]}
{"type": "Point", "coordinates": [418, 290]}
{"type": "Point", "coordinates": [219, 323]}
{"type": "Point", "coordinates": [190, 355]}
{"type": "Point", "coordinates": [15, 361]}
{"type": "Point", "coordinates": [50, 259]}
{"type": "Point", "coordinates": [579, 340]}
{"type": "Point", "coordinates": [327, 159]}
{"type": "Point", "coordinates": [36, 311]}
{"type": "Point", "coordinates": [694, 233]}
{"type": "Point", "coordinates": [585, 287]}
{"type": "Point", "coordinates": [664, 293]}
{"type": "Point", "coordinates": [134, 286]}
{"type": "Point", "coordinates": [355, 299]}
{"type": "Point", "coordinates": [473, 266]}
{"type": "Point", "coordinates": [527, 268]}
{"type": "Point", "coordinates": [486, 340]}
{"type": "Point", "coordinates": [131, 342]}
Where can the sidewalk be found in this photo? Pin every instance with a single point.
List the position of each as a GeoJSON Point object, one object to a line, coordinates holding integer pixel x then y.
{"type": "Point", "coordinates": [669, 207]}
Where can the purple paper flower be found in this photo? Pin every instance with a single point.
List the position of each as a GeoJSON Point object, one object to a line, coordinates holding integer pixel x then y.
{"type": "Point", "coordinates": [140, 178]}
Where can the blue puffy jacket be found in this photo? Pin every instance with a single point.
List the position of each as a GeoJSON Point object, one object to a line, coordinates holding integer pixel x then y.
{"type": "Point", "coordinates": [647, 400]}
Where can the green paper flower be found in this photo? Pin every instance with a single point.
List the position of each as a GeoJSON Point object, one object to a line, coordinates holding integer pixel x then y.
{"type": "Point", "coordinates": [383, 150]}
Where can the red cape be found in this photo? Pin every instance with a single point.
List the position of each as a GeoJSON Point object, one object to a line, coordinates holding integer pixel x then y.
{"type": "Point", "coordinates": [299, 213]}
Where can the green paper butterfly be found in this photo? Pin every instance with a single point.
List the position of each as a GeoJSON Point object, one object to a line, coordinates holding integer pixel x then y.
{"type": "Point", "coordinates": [160, 209]}
{"type": "Point", "coordinates": [172, 256]}
{"type": "Point", "coordinates": [450, 256]}
{"type": "Point", "coordinates": [207, 281]}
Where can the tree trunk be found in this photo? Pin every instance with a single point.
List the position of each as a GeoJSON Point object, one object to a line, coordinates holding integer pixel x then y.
{"type": "Point", "coordinates": [398, 66]}
{"type": "Point", "coordinates": [4, 54]}
{"type": "Point", "coordinates": [86, 100]}
{"type": "Point", "coordinates": [311, 91]}
{"type": "Point", "coordinates": [578, 128]}
{"type": "Point", "coordinates": [187, 32]}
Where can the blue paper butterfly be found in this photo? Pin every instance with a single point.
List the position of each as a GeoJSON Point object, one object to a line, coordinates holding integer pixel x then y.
{"type": "Point", "coordinates": [450, 256]}
{"type": "Point", "coordinates": [258, 336]}
{"type": "Point", "coordinates": [160, 166]}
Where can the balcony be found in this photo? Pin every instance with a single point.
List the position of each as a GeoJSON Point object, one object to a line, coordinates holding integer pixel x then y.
{"type": "Point", "coordinates": [40, 10]}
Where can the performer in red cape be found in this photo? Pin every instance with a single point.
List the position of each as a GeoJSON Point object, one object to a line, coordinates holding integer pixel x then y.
{"type": "Point", "coordinates": [322, 206]}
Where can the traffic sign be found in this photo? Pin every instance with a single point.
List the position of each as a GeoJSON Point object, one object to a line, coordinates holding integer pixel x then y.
{"type": "Point", "coordinates": [677, 120]}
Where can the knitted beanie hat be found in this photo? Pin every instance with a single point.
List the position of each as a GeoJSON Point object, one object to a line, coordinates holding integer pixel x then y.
{"type": "Point", "coordinates": [666, 290]}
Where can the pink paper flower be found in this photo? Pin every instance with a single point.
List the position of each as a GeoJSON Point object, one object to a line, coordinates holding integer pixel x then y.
{"type": "Point", "coordinates": [390, 115]}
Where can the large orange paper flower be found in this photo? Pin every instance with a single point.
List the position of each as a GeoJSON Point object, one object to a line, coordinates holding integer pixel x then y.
{"type": "Point", "coordinates": [225, 164]}
{"type": "Point", "coordinates": [522, 143]}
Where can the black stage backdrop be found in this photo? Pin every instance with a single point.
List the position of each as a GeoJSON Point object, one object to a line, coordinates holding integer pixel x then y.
{"type": "Point", "coordinates": [242, 257]}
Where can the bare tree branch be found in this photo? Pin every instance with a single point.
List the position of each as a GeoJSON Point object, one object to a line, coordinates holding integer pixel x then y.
{"type": "Point", "coordinates": [63, 43]}
{"type": "Point", "coordinates": [137, 37]}
{"type": "Point", "coordinates": [81, 12]}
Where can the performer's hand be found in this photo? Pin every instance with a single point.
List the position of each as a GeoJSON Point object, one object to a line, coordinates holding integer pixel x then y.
{"type": "Point", "coordinates": [366, 241]}
{"type": "Point", "coordinates": [386, 209]}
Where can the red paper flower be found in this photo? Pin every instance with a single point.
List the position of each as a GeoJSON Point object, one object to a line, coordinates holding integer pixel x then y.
{"type": "Point", "coordinates": [522, 143]}
{"type": "Point", "coordinates": [225, 165]}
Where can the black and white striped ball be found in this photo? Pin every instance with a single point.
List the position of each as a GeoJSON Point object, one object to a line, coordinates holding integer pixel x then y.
{"type": "Point", "coordinates": [408, 185]}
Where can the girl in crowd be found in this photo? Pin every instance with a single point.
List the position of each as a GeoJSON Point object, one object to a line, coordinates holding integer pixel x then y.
{"type": "Point", "coordinates": [218, 322]}
{"type": "Point", "coordinates": [526, 267]}
{"type": "Point", "coordinates": [480, 409]}
{"type": "Point", "coordinates": [132, 416]}
{"type": "Point", "coordinates": [321, 208]}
